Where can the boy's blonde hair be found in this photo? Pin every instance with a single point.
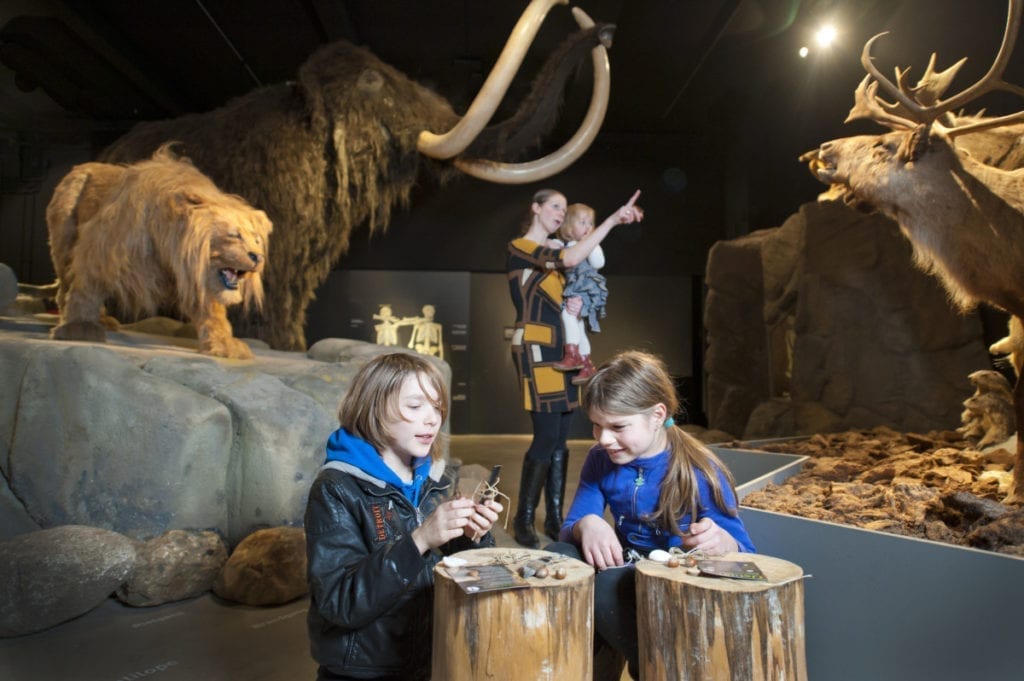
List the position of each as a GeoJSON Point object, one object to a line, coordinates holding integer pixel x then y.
{"type": "Point", "coordinates": [571, 213]}
{"type": "Point", "coordinates": [635, 382]}
{"type": "Point", "coordinates": [371, 403]}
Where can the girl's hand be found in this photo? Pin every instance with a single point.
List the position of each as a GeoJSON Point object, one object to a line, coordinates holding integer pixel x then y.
{"type": "Point", "coordinates": [630, 212]}
{"type": "Point", "coordinates": [710, 538]}
{"type": "Point", "coordinates": [598, 543]}
{"type": "Point", "coordinates": [448, 521]}
{"type": "Point", "coordinates": [573, 305]}
{"type": "Point", "coordinates": [484, 516]}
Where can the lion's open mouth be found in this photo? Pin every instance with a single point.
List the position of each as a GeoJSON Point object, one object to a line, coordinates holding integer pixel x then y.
{"type": "Point", "coordinates": [230, 277]}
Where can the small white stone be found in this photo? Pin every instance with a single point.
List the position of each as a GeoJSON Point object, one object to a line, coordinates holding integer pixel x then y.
{"type": "Point", "coordinates": [659, 555]}
{"type": "Point", "coordinates": [453, 561]}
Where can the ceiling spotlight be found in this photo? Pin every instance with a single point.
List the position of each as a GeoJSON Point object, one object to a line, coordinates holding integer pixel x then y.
{"type": "Point", "coordinates": [803, 52]}
{"type": "Point", "coordinates": [825, 36]}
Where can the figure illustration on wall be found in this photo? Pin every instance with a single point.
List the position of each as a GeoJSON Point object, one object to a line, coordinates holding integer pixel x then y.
{"type": "Point", "coordinates": [427, 335]}
{"type": "Point", "coordinates": [387, 330]}
{"type": "Point", "coordinates": [346, 141]}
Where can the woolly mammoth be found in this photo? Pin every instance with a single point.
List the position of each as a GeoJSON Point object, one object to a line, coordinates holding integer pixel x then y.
{"type": "Point", "coordinates": [345, 143]}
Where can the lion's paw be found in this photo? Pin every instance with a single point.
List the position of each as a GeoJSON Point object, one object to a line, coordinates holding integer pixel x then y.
{"type": "Point", "coordinates": [231, 348]}
{"type": "Point", "coordinates": [80, 331]}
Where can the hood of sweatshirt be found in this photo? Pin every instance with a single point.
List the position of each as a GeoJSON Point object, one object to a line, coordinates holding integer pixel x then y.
{"type": "Point", "coordinates": [359, 458]}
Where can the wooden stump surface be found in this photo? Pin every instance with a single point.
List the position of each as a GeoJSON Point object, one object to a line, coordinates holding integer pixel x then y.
{"type": "Point", "coordinates": [542, 632]}
{"type": "Point", "coordinates": [720, 628]}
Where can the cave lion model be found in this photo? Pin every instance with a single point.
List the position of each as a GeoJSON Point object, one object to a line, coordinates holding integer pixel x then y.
{"type": "Point", "coordinates": [344, 144]}
{"type": "Point", "coordinates": [151, 236]}
{"type": "Point", "coordinates": [963, 217]}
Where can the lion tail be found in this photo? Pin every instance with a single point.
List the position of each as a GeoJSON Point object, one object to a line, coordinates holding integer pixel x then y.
{"type": "Point", "coordinates": [61, 221]}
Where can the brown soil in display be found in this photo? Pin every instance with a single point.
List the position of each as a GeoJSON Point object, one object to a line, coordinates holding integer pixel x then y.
{"type": "Point", "coordinates": [933, 486]}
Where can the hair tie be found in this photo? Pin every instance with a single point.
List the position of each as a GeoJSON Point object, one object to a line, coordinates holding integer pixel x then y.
{"type": "Point", "coordinates": [669, 422]}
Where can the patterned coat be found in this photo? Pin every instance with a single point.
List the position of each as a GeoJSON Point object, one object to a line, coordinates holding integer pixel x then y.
{"type": "Point", "coordinates": [535, 281]}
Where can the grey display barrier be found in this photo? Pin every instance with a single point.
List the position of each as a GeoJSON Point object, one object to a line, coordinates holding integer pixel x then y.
{"type": "Point", "coordinates": [881, 607]}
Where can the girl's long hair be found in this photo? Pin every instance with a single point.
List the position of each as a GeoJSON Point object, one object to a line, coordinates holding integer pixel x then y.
{"type": "Point", "coordinates": [635, 382]}
{"type": "Point", "coordinates": [371, 402]}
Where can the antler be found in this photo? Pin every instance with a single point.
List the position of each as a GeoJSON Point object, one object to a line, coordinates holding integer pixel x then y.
{"type": "Point", "coordinates": [923, 105]}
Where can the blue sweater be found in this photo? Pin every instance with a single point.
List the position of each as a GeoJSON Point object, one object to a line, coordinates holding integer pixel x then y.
{"type": "Point", "coordinates": [631, 492]}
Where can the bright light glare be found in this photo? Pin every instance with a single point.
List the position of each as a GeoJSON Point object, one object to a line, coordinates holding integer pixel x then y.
{"type": "Point", "coordinates": [825, 36]}
{"type": "Point", "coordinates": [804, 52]}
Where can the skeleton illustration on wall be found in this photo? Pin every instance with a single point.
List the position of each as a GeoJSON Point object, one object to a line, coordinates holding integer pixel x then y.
{"type": "Point", "coordinates": [426, 336]}
{"type": "Point", "coordinates": [345, 142]}
{"type": "Point", "coordinates": [387, 330]}
{"type": "Point", "coordinates": [964, 218]}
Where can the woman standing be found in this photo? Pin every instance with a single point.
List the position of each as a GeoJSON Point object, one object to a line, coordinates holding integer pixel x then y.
{"type": "Point", "coordinates": [535, 268]}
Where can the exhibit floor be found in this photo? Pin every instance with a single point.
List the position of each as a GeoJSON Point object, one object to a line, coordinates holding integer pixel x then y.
{"type": "Point", "coordinates": [206, 639]}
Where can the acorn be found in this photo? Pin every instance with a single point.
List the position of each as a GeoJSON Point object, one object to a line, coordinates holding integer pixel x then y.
{"type": "Point", "coordinates": [561, 573]}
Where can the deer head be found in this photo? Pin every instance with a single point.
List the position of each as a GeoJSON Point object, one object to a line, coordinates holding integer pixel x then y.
{"type": "Point", "coordinates": [875, 169]}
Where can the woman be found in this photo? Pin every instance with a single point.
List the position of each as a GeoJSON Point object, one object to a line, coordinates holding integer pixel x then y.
{"type": "Point", "coordinates": [535, 269]}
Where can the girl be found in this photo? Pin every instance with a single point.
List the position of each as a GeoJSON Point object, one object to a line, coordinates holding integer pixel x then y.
{"type": "Point", "coordinates": [379, 517]}
{"type": "Point", "coordinates": [663, 489]}
{"type": "Point", "coordinates": [583, 282]}
{"type": "Point", "coordinates": [535, 281]}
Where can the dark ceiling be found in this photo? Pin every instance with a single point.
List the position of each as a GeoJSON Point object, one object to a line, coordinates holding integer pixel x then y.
{"type": "Point", "coordinates": [108, 63]}
{"type": "Point", "coordinates": [712, 78]}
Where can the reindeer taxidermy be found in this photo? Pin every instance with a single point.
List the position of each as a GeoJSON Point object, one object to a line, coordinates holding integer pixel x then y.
{"type": "Point", "coordinates": [964, 219]}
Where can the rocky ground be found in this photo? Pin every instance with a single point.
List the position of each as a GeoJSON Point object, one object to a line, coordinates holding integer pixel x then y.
{"type": "Point", "coordinates": [935, 486]}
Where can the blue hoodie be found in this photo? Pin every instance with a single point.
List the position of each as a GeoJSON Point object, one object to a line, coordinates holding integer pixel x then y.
{"type": "Point", "coordinates": [631, 492]}
{"type": "Point", "coordinates": [355, 452]}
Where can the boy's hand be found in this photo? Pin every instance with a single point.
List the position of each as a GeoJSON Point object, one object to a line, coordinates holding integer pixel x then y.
{"type": "Point", "coordinates": [448, 521]}
{"type": "Point", "coordinates": [485, 514]}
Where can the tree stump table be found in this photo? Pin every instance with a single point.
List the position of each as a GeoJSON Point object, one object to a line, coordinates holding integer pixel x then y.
{"type": "Point", "coordinates": [721, 628]}
{"type": "Point", "coordinates": [541, 631]}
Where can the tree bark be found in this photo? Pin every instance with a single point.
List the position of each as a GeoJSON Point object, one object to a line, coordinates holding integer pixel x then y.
{"type": "Point", "coordinates": [542, 632]}
{"type": "Point", "coordinates": [719, 628]}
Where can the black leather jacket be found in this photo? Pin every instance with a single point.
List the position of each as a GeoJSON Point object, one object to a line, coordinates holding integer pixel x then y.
{"type": "Point", "coordinates": [371, 592]}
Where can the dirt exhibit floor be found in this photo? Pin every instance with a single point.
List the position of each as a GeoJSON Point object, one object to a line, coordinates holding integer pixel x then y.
{"type": "Point", "coordinates": [934, 486]}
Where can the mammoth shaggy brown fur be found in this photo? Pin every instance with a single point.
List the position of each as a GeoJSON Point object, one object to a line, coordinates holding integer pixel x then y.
{"type": "Point", "coordinates": [335, 150]}
{"type": "Point", "coordinates": [150, 236]}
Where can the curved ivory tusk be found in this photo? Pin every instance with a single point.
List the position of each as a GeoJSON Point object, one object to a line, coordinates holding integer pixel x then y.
{"type": "Point", "coordinates": [487, 100]}
{"type": "Point", "coordinates": [557, 161]}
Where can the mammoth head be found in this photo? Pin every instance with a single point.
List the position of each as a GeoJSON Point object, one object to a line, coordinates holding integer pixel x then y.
{"type": "Point", "coordinates": [349, 89]}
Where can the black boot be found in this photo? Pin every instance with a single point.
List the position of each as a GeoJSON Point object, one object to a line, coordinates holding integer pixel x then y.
{"type": "Point", "coordinates": [530, 484]}
{"type": "Point", "coordinates": [554, 492]}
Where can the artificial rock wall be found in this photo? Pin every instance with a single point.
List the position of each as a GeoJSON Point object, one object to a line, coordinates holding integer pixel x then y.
{"type": "Point", "coordinates": [143, 435]}
{"type": "Point", "coordinates": [824, 324]}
